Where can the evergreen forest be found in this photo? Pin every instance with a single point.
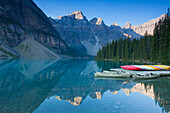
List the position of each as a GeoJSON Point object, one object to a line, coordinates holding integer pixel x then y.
{"type": "Point", "coordinates": [154, 48]}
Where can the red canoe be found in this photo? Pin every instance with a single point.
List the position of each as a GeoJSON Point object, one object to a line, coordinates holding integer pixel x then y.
{"type": "Point", "coordinates": [131, 67]}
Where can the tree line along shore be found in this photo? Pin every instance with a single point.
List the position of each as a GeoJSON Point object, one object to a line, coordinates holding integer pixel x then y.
{"type": "Point", "coordinates": [155, 49]}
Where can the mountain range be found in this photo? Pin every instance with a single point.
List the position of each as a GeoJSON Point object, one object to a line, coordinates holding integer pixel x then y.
{"type": "Point", "coordinates": [147, 26]}
{"type": "Point", "coordinates": [88, 36]}
{"type": "Point", "coordinates": [22, 22]}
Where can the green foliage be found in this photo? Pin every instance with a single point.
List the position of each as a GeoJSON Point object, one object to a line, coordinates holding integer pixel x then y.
{"type": "Point", "coordinates": [154, 48]}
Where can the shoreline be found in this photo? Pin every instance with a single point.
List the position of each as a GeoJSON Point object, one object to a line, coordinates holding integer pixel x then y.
{"type": "Point", "coordinates": [130, 60]}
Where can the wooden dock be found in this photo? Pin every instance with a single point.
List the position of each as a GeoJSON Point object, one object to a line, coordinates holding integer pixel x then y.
{"type": "Point", "coordinates": [161, 73]}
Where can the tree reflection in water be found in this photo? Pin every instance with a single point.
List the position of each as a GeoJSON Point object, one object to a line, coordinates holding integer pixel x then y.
{"type": "Point", "coordinates": [25, 84]}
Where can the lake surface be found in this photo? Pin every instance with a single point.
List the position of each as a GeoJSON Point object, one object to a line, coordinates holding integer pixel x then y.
{"type": "Point", "coordinates": [69, 86]}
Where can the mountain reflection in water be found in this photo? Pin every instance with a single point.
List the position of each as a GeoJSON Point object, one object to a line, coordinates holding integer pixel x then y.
{"type": "Point", "coordinates": [26, 85]}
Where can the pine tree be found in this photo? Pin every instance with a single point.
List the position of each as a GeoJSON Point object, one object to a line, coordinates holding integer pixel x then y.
{"type": "Point", "coordinates": [155, 48]}
{"type": "Point", "coordinates": [126, 49]}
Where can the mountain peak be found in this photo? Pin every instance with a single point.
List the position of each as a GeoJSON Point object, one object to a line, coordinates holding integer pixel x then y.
{"type": "Point", "coordinates": [93, 21]}
{"type": "Point", "coordinates": [142, 28]}
{"type": "Point", "coordinates": [59, 17]}
{"type": "Point", "coordinates": [115, 24]}
{"type": "Point", "coordinates": [78, 14]}
{"type": "Point", "coordinates": [127, 25]}
{"type": "Point", "coordinates": [99, 21]}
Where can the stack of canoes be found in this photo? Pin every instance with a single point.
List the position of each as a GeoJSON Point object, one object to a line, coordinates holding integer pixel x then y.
{"type": "Point", "coordinates": [146, 67]}
{"type": "Point", "coordinates": [149, 75]}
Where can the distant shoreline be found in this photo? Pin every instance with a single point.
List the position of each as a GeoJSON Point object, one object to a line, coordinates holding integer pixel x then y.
{"type": "Point", "coordinates": [130, 60]}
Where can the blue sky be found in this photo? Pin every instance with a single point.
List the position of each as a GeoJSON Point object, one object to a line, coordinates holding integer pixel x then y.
{"type": "Point", "coordinates": [119, 11]}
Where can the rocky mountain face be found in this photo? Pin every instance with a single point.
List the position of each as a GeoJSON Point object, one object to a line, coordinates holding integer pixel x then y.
{"type": "Point", "coordinates": [88, 36]}
{"type": "Point", "coordinates": [105, 33]}
{"type": "Point", "coordinates": [76, 31]}
{"type": "Point", "coordinates": [100, 30]}
{"type": "Point", "coordinates": [22, 18]}
{"type": "Point", "coordinates": [141, 29]}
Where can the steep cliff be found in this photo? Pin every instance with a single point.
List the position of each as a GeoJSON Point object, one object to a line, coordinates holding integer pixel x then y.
{"type": "Point", "coordinates": [76, 31]}
{"type": "Point", "coordinates": [105, 33]}
{"type": "Point", "coordinates": [21, 18]}
{"type": "Point", "coordinates": [100, 30]}
{"type": "Point", "coordinates": [88, 36]}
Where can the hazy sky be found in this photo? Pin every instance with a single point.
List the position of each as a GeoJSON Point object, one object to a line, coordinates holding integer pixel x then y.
{"type": "Point", "coordinates": [119, 11]}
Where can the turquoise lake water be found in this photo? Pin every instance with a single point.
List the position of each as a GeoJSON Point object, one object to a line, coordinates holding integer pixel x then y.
{"type": "Point", "coordinates": [69, 86]}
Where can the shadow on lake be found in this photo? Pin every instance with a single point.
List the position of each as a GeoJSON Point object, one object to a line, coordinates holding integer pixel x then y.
{"type": "Point", "coordinates": [26, 84]}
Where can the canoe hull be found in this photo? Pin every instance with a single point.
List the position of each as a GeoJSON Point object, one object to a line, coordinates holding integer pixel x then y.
{"type": "Point", "coordinates": [98, 74]}
{"type": "Point", "coordinates": [146, 77]}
